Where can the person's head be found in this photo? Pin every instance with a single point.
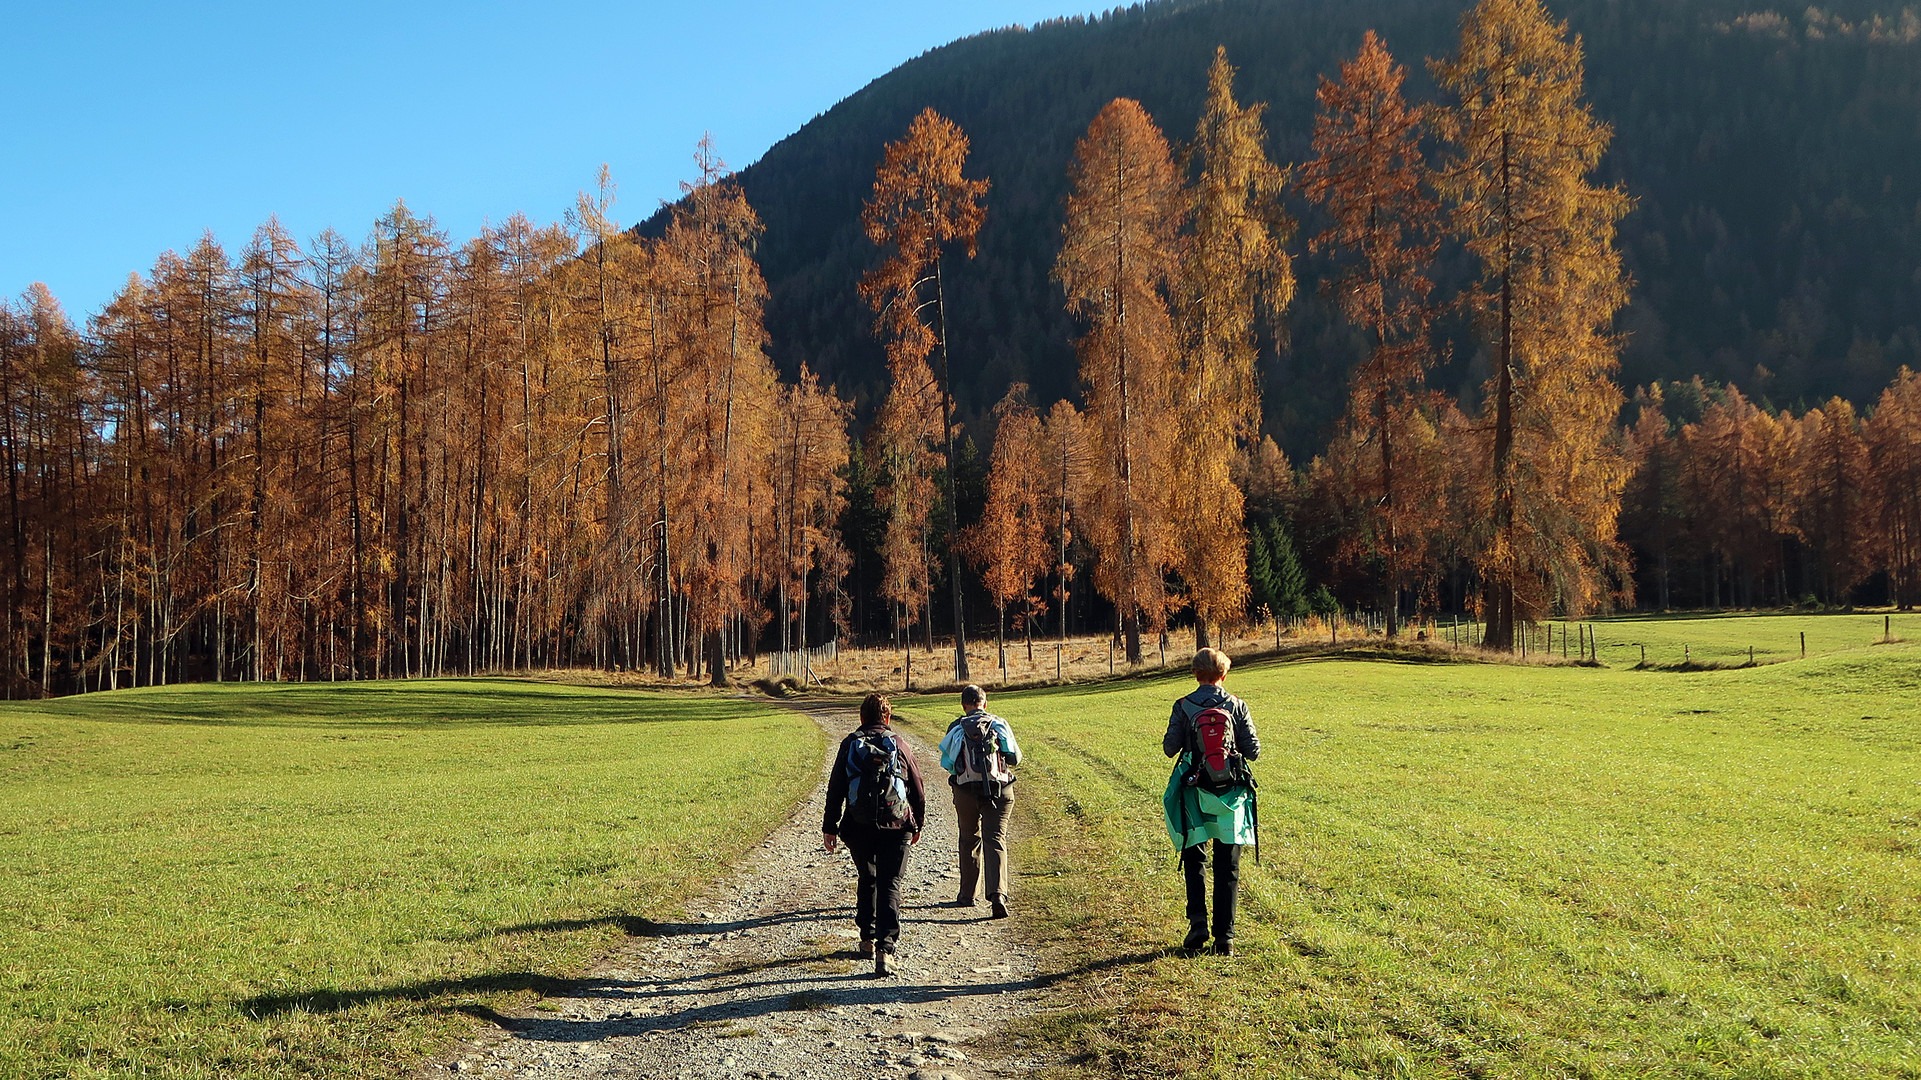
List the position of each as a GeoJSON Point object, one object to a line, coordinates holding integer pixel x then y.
{"type": "Point", "coordinates": [1210, 665]}
{"type": "Point", "coordinates": [972, 697]}
{"type": "Point", "coordinates": [875, 710]}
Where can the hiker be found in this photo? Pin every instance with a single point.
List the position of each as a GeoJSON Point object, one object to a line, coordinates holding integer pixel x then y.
{"type": "Point", "coordinates": [979, 753]}
{"type": "Point", "coordinates": [1210, 796]}
{"type": "Point", "coordinates": [875, 803]}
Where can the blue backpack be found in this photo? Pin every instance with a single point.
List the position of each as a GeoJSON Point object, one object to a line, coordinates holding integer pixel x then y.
{"type": "Point", "coordinates": [876, 781]}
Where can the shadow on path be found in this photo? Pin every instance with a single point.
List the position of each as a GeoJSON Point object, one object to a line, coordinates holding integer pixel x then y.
{"type": "Point", "coordinates": [663, 998]}
{"type": "Point", "coordinates": [640, 926]}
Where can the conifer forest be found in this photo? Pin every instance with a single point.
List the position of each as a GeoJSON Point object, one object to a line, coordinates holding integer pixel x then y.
{"type": "Point", "coordinates": [586, 444]}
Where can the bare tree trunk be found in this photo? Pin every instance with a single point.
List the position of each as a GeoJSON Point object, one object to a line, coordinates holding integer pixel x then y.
{"type": "Point", "coordinates": [953, 466]}
{"type": "Point", "coordinates": [1500, 586]}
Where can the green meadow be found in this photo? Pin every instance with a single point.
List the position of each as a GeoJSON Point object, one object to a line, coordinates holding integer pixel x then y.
{"type": "Point", "coordinates": [1477, 870]}
{"type": "Point", "coordinates": [330, 880]}
{"type": "Point", "coordinates": [1724, 640]}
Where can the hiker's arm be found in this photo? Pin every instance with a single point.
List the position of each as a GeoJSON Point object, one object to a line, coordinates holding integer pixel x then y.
{"type": "Point", "coordinates": [1009, 747]}
{"type": "Point", "coordinates": [1244, 734]}
{"type": "Point", "coordinates": [950, 745]}
{"type": "Point", "coordinates": [836, 795]}
{"type": "Point", "coordinates": [916, 793]}
{"type": "Point", "coordinates": [1175, 740]}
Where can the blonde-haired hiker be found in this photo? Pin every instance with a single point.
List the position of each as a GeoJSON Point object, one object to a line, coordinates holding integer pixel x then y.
{"type": "Point", "coordinates": [1210, 796]}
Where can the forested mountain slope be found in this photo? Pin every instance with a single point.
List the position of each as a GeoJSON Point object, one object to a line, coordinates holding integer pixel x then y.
{"type": "Point", "coordinates": [1776, 160]}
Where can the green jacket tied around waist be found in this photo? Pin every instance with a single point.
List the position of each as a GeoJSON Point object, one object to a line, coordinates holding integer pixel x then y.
{"type": "Point", "coordinates": [1227, 817]}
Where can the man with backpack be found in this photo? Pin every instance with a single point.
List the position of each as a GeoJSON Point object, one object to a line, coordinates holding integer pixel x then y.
{"type": "Point", "coordinates": [1211, 796]}
{"type": "Point", "coordinates": [979, 753]}
{"type": "Point", "coordinates": [876, 804]}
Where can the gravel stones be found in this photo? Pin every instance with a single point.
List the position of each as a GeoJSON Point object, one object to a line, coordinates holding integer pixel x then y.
{"type": "Point", "coordinates": [762, 981]}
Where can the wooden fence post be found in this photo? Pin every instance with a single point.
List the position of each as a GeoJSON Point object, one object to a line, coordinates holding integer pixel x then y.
{"type": "Point", "coordinates": [1804, 644]}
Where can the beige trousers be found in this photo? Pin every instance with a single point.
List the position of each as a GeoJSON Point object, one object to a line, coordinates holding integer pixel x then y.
{"type": "Point", "coordinates": [983, 830]}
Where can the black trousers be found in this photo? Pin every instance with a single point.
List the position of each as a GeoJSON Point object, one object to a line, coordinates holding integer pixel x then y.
{"type": "Point", "coordinates": [1227, 886]}
{"type": "Point", "coordinates": [879, 856]}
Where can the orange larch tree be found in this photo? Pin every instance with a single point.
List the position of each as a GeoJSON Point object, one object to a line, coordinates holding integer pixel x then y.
{"type": "Point", "coordinates": [1522, 145]}
{"type": "Point", "coordinates": [730, 390]}
{"type": "Point", "coordinates": [1066, 462]}
{"type": "Point", "coordinates": [1838, 513]}
{"type": "Point", "coordinates": [1894, 447]}
{"type": "Point", "coordinates": [1117, 262]}
{"type": "Point", "coordinates": [1009, 543]}
{"type": "Point", "coordinates": [921, 205]}
{"type": "Point", "coordinates": [1371, 177]}
{"type": "Point", "coordinates": [811, 451]}
{"type": "Point", "coordinates": [1234, 262]}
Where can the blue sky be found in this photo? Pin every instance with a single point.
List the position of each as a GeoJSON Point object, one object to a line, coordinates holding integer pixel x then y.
{"type": "Point", "coordinates": [135, 127]}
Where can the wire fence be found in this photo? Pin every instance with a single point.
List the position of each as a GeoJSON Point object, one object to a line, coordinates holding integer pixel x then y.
{"type": "Point", "coordinates": [800, 663]}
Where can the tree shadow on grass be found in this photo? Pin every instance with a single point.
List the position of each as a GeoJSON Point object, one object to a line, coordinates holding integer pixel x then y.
{"type": "Point", "coordinates": [394, 706]}
{"type": "Point", "coordinates": [673, 1004]}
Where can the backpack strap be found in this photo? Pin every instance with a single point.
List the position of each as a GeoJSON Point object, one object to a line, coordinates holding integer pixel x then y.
{"type": "Point", "coordinates": [1191, 729]}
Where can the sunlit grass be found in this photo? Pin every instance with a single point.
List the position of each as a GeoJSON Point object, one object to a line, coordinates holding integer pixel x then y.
{"type": "Point", "coordinates": [1725, 640]}
{"type": "Point", "coordinates": [1491, 870]}
{"type": "Point", "coordinates": [316, 880]}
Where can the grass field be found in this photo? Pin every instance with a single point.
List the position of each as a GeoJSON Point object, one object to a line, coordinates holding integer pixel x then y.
{"type": "Point", "coordinates": [1502, 871]}
{"type": "Point", "coordinates": [1725, 639]}
{"type": "Point", "coordinates": [272, 881]}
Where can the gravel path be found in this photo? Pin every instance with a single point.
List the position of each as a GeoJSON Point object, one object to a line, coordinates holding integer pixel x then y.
{"type": "Point", "coordinates": [762, 980]}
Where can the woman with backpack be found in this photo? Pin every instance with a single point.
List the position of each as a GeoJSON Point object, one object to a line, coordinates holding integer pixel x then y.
{"type": "Point", "coordinates": [979, 753]}
{"type": "Point", "coordinates": [1210, 796]}
{"type": "Point", "coordinates": [875, 803]}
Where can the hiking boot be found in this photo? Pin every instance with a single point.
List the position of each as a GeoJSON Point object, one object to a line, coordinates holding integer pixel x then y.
{"type": "Point", "coordinates": [965, 901]}
{"type": "Point", "coordinates": [1223, 947]}
{"type": "Point", "coordinates": [867, 947]}
{"type": "Point", "coordinates": [883, 963]}
{"type": "Point", "coordinates": [1195, 941]}
{"type": "Point", "coordinates": [1000, 906]}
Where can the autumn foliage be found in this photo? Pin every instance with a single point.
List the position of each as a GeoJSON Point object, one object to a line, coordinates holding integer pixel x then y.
{"type": "Point", "coordinates": [570, 445]}
{"type": "Point", "coordinates": [1521, 144]}
{"type": "Point", "coordinates": [921, 204]}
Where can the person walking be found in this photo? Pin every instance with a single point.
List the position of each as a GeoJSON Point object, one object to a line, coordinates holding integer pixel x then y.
{"type": "Point", "coordinates": [876, 805]}
{"type": "Point", "coordinates": [979, 754]}
{"type": "Point", "coordinates": [1210, 796]}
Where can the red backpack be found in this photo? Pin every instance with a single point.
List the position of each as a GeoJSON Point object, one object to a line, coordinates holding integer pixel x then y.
{"type": "Point", "coordinates": [1216, 762]}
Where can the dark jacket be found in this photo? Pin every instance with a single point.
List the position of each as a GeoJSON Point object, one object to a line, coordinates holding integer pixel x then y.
{"type": "Point", "coordinates": [833, 816]}
{"type": "Point", "coordinates": [1180, 733]}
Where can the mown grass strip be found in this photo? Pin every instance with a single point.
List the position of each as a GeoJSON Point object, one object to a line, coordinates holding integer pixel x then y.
{"type": "Point", "coordinates": [321, 881]}
{"type": "Point", "coordinates": [1495, 870]}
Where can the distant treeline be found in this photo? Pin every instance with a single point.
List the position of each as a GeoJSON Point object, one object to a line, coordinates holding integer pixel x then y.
{"type": "Point", "coordinates": [570, 446]}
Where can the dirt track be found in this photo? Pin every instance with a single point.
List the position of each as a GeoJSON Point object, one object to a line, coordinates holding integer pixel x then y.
{"type": "Point", "coordinates": [761, 978]}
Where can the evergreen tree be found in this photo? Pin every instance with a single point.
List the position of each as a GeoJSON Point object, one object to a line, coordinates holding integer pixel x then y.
{"type": "Point", "coordinates": [1261, 592]}
{"type": "Point", "coordinates": [1290, 580]}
